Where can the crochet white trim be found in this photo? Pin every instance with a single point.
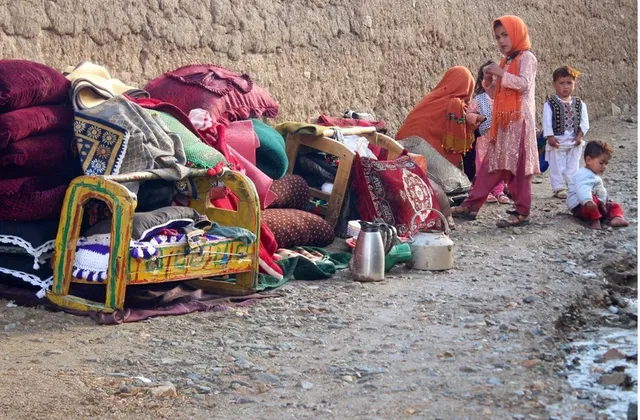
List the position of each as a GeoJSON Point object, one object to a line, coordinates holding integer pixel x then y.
{"type": "Point", "coordinates": [31, 279]}
{"type": "Point", "coordinates": [36, 253]}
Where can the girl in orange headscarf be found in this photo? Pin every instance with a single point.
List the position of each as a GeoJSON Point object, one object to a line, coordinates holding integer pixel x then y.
{"type": "Point", "coordinates": [513, 152]}
{"type": "Point", "coordinates": [439, 118]}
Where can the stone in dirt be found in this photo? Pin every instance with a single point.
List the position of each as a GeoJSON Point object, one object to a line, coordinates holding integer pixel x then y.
{"type": "Point", "coordinates": [305, 385]}
{"type": "Point", "coordinates": [611, 354]}
{"type": "Point", "coordinates": [616, 378]}
{"type": "Point", "coordinates": [632, 411]}
{"type": "Point", "coordinates": [266, 378]}
{"type": "Point", "coordinates": [246, 400]}
{"type": "Point", "coordinates": [529, 299]}
{"type": "Point", "coordinates": [168, 390]}
{"type": "Point", "coordinates": [494, 381]}
{"type": "Point", "coordinates": [124, 388]}
{"type": "Point", "coordinates": [243, 364]}
{"type": "Point", "coordinates": [538, 386]}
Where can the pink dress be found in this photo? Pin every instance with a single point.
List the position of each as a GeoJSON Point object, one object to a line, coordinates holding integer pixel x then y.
{"type": "Point", "coordinates": [513, 158]}
{"type": "Point", "coordinates": [504, 153]}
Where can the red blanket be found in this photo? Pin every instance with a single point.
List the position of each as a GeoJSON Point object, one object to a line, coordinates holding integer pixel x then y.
{"type": "Point", "coordinates": [35, 198]}
{"type": "Point", "coordinates": [26, 83]}
{"type": "Point", "coordinates": [36, 155]}
{"type": "Point", "coordinates": [227, 95]}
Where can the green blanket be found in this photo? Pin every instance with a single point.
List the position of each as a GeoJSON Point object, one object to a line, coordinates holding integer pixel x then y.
{"type": "Point", "coordinates": [301, 268]}
{"type": "Point", "coordinates": [198, 153]}
{"type": "Point", "coordinates": [271, 157]}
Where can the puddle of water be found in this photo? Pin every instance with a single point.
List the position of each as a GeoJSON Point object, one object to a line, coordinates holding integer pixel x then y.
{"type": "Point", "coordinates": [584, 376]}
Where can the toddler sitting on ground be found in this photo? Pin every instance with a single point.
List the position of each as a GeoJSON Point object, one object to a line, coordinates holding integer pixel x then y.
{"type": "Point", "coordinates": [587, 198]}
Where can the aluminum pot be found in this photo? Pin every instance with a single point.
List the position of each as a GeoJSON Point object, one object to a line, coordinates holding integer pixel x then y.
{"type": "Point", "coordinates": [431, 250]}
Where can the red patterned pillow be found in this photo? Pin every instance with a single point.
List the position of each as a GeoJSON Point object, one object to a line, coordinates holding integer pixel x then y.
{"type": "Point", "coordinates": [394, 191]}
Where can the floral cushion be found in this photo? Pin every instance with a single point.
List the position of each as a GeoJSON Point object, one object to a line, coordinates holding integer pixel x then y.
{"type": "Point", "coordinates": [394, 191]}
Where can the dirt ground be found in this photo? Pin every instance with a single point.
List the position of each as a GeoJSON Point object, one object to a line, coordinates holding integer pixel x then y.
{"type": "Point", "coordinates": [479, 341]}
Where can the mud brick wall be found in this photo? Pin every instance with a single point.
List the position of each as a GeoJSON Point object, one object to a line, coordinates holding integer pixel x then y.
{"type": "Point", "coordinates": [330, 55]}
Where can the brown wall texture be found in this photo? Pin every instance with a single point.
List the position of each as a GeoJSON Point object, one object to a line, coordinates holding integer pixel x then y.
{"type": "Point", "coordinates": [330, 55]}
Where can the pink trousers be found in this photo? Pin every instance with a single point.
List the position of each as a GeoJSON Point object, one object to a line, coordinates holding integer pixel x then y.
{"type": "Point", "coordinates": [482, 147]}
{"type": "Point", "coordinates": [485, 181]}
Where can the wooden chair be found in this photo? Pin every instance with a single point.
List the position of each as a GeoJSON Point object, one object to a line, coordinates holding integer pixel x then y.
{"type": "Point", "coordinates": [326, 144]}
{"type": "Point", "coordinates": [172, 263]}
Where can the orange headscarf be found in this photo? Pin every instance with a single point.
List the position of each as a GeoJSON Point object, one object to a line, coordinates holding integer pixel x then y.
{"type": "Point", "coordinates": [506, 102]}
{"type": "Point", "coordinates": [431, 120]}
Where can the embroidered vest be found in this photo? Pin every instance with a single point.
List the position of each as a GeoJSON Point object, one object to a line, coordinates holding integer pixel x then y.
{"type": "Point", "coordinates": [559, 117]}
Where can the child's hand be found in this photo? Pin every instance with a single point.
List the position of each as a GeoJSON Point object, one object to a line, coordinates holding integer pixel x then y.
{"type": "Point", "coordinates": [578, 139]}
{"type": "Point", "coordinates": [553, 142]}
{"type": "Point", "coordinates": [494, 69]}
{"type": "Point", "coordinates": [590, 205]}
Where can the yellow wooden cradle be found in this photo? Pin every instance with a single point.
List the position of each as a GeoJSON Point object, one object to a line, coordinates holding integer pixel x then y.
{"type": "Point", "coordinates": [172, 263]}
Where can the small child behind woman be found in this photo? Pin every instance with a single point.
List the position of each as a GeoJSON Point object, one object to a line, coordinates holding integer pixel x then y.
{"type": "Point", "coordinates": [479, 114]}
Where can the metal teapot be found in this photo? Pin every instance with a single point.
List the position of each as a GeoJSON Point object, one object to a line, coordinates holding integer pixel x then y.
{"type": "Point", "coordinates": [431, 250]}
{"type": "Point", "coordinates": [374, 241]}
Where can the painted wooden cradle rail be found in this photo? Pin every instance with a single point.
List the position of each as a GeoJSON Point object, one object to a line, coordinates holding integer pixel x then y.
{"type": "Point", "coordinates": [173, 263]}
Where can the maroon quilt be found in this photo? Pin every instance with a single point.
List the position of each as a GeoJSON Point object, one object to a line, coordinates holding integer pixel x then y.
{"type": "Point", "coordinates": [26, 83]}
{"type": "Point", "coordinates": [26, 122]}
{"type": "Point", "coordinates": [36, 155]}
{"type": "Point", "coordinates": [35, 198]}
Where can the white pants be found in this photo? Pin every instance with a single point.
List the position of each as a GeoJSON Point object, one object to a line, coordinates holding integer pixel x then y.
{"type": "Point", "coordinates": [563, 165]}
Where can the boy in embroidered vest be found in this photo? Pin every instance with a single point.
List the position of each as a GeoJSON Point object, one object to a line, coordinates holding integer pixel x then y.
{"type": "Point", "coordinates": [587, 198]}
{"type": "Point", "coordinates": [564, 124]}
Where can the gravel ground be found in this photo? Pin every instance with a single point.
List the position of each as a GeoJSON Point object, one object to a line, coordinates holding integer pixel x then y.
{"type": "Point", "coordinates": [484, 340]}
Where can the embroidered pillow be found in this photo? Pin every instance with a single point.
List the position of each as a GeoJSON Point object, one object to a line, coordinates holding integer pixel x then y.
{"type": "Point", "coordinates": [394, 191]}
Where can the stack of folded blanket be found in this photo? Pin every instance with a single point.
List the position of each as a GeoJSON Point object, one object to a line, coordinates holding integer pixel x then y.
{"type": "Point", "coordinates": [36, 124]}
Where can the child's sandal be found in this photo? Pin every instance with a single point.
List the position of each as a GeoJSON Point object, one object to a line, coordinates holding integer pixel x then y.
{"type": "Point", "coordinates": [561, 194]}
{"type": "Point", "coordinates": [503, 199]}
